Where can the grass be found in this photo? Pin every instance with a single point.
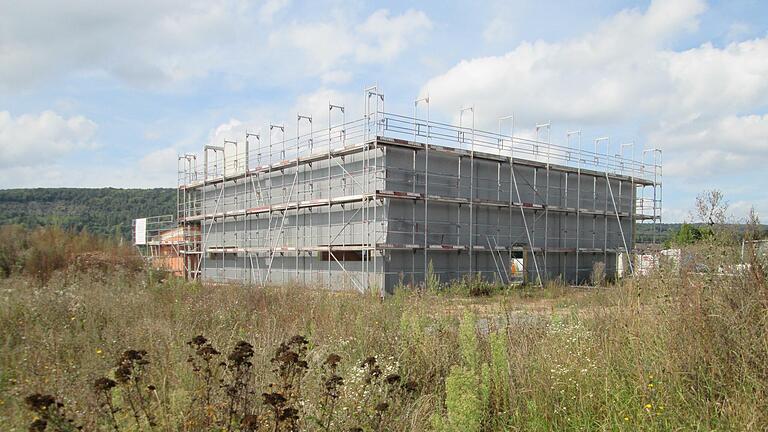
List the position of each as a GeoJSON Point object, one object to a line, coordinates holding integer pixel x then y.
{"type": "Point", "coordinates": [675, 351]}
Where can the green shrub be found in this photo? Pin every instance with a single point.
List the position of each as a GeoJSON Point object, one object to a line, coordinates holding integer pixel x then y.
{"type": "Point", "coordinates": [464, 406]}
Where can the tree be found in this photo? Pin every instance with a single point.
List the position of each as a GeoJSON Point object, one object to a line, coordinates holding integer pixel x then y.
{"type": "Point", "coordinates": [688, 234]}
{"type": "Point", "coordinates": [712, 208]}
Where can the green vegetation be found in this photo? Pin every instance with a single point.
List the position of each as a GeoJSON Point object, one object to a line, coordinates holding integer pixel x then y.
{"type": "Point", "coordinates": [121, 349]}
{"type": "Point", "coordinates": [689, 234]}
{"type": "Point", "coordinates": [105, 211]}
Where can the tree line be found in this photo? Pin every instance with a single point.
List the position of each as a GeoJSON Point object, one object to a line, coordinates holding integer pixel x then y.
{"type": "Point", "coordinates": [103, 211]}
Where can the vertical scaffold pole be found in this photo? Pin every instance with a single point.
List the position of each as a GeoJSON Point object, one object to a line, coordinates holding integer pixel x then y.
{"type": "Point", "coordinates": [299, 197]}
{"type": "Point", "coordinates": [578, 193]}
{"type": "Point", "coordinates": [471, 184]}
{"type": "Point", "coordinates": [426, 181]}
{"type": "Point", "coordinates": [236, 205]}
{"type": "Point", "coordinates": [249, 201]}
{"type": "Point", "coordinates": [331, 107]}
{"type": "Point", "coordinates": [511, 119]}
{"type": "Point", "coordinates": [605, 210]}
{"type": "Point", "coordinates": [372, 91]}
{"type": "Point", "coordinates": [546, 193]}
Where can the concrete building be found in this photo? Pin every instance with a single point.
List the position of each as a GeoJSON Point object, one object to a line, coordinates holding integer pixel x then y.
{"type": "Point", "coordinates": [387, 199]}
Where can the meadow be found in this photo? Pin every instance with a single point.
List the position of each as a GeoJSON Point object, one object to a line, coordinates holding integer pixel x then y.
{"type": "Point", "coordinates": [101, 343]}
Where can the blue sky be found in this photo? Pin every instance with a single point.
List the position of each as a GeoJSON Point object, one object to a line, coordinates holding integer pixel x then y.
{"type": "Point", "coordinates": [99, 93]}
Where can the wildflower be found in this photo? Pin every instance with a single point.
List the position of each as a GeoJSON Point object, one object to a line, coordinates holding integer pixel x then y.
{"type": "Point", "coordinates": [648, 406]}
{"type": "Point", "coordinates": [650, 385]}
{"type": "Point", "coordinates": [626, 419]}
{"type": "Point", "coordinates": [98, 351]}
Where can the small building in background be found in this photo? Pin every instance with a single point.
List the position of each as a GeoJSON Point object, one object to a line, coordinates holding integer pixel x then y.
{"type": "Point", "coordinates": [165, 246]}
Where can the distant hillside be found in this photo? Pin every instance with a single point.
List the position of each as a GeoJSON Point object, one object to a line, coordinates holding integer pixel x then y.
{"type": "Point", "coordinates": [665, 231]}
{"type": "Point", "coordinates": [100, 211]}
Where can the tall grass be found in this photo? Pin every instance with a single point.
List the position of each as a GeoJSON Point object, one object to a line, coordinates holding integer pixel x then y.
{"type": "Point", "coordinates": [679, 350]}
{"type": "Point", "coordinates": [41, 252]}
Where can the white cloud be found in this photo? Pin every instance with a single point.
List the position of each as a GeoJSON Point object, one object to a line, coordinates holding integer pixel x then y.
{"type": "Point", "coordinates": [270, 8]}
{"type": "Point", "coordinates": [625, 73]}
{"type": "Point", "coordinates": [159, 161]}
{"type": "Point", "coordinates": [32, 139]}
{"type": "Point", "coordinates": [165, 42]}
{"type": "Point", "coordinates": [711, 147]}
{"type": "Point", "coordinates": [329, 45]}
{"type": "Point", "coordinates": [337, 76]}
{"type": "Point", "coordinates": [385, 36]}
{"type": "Point", "coordinates": [142, 44]}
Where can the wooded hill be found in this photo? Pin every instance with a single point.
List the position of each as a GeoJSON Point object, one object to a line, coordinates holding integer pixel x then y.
{"type": "Point", "coordinates": [106, 211]}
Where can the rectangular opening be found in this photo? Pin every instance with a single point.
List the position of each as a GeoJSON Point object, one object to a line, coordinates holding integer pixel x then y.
{"type": "Point", "coordinates": [342, 256]}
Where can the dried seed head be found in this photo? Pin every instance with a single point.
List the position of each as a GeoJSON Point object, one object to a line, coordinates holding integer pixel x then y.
{"type": "Point", "coordinates": [39, 402]}
{"type": "Point", "coordinates": [123, 373]}
{"type": "Point", "coordinates": [198, 340]}
{"type": "Point", "coordinates": [103, 384]}
{"type": "Point", "coordinates": [249, 423]}
{"type": "Point", "coordinates": [207, 351]}
{"type": "Point", "coordinates": [411, 386]}
{"type": "Point", "coordinates": [392, 379]}
{"type": "Point", "coordinates": [369, 362]}
{"type": "Point", "coordinates": [332, 360]}
{"type": "Point", "coordinates": [274, 399]}
{"type": "Point", "coordinates": [38, 425]}
{"type": "Point", "coordinates": [298, 340]}
{"type": "Point", "coordinates": [289, 413]}
{"type": "Point", "coordinates": [241, 354]}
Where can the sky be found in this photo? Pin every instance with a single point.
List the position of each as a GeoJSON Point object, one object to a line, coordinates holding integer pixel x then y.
{"type": "Point", "coordinates": [97, 94]}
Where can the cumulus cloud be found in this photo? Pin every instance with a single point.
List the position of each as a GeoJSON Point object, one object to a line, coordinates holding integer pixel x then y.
{"type": "Point", "coordinates": [164, 42]}
{"type": "Point", "coordinates": [270, 8]}
{"type": "Point", "coordinates": [141, 44]}
{"type": "Point", "coordinates": [378, 39]}
{"type": "Point", "coordinates": [32, 139]}
{"type": "Point", "coordinates": [626, 73]}
{"type": "Point", "coordinates": [707, 147]}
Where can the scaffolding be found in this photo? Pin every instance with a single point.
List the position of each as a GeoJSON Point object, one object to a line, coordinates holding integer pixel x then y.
{"type": "Point", "coordinates": [379, 200]}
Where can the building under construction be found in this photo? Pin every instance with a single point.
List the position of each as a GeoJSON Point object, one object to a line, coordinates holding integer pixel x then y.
{"type": "Point", "coordinates": [388, 199]}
